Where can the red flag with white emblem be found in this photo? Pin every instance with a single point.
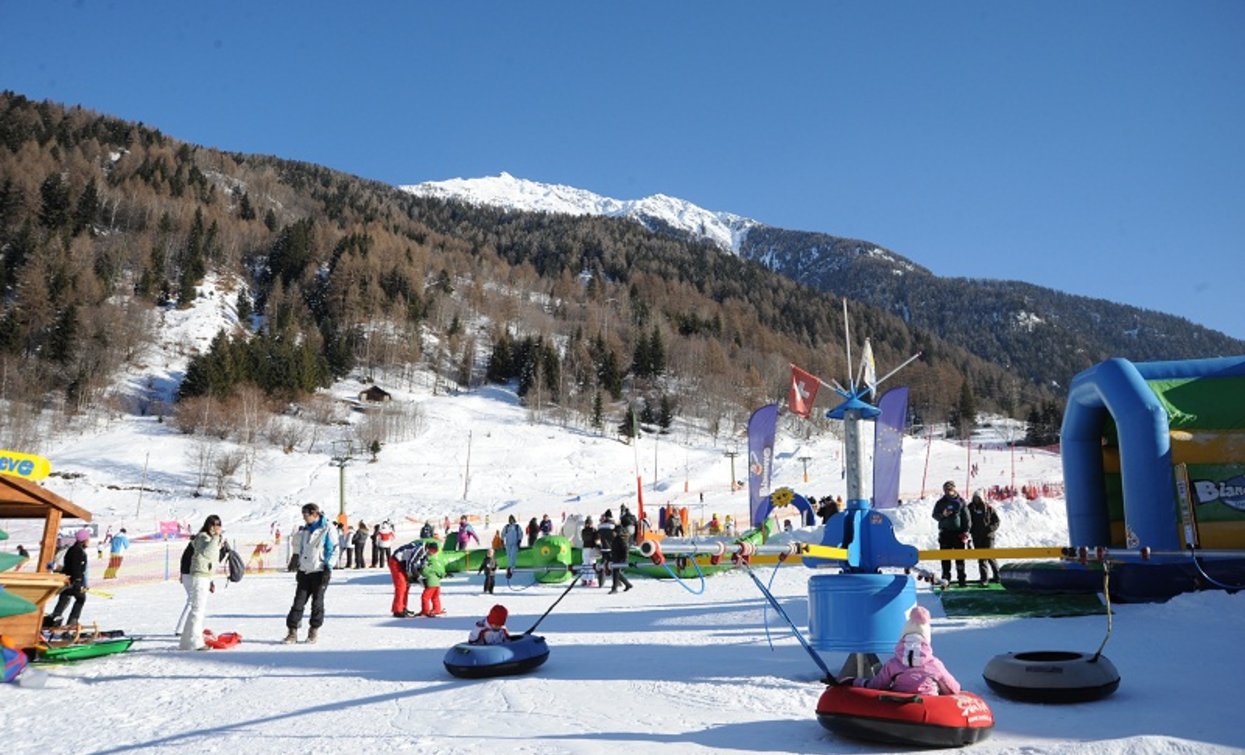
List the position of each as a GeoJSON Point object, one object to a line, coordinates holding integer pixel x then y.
{"type": "Point", "coordinates": [804, 387]}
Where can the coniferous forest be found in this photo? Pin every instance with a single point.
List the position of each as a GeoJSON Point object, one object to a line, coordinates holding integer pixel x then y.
{"type": "Point", "coordinates": [105, 223]}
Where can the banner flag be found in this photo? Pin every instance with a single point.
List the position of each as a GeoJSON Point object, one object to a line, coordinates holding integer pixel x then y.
{"type": "Point", "coordinates": [761, 429]}
{"type": "Point", "coordinates": [869, 368]}
{"type": "Point", "coordinates": [803, 391]}
{"type": "Point", "coordinates": [888, 447]}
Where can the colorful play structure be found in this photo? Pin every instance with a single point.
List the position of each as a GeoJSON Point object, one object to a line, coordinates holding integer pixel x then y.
{"type": "Point", "coordinates": [1154, 468]}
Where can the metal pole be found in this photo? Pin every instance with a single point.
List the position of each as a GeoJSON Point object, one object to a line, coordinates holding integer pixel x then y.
{"type": "Point", "coordinates": [142, 485]}
{"type": "Point", "coordinates": [467, 474]}
{"type": "Point", "coordinates": [805, 460]}
{"type": "Point", "coordinates": [341, 489]}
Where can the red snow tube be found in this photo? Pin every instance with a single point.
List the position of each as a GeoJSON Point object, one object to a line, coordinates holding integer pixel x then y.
{"type": "Point", "coordinates": [903, 718]}
{"type": "Point", "coordinates": [221, 641]}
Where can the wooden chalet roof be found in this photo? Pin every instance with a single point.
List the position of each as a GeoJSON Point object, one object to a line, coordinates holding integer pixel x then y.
{"type": "Point", "coordinates": [22, 499]}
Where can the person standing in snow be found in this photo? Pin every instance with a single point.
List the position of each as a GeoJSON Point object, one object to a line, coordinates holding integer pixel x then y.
{"type": "Point", "coordinates": [315, 569]}
{"type": "Point", "coordinates": [465, 532]}
{"type": "Point", "coordinates": [913, 669]}
{"type": "Point", "coordinates": [533, 532]}
{"type": "Point", "coordinates": [385, 538]}
{"type": "Point", "coordinates": [205, 556]}
{"type": "Point", "coordinates": [428, 531]}
{"type": "Point", "coordinates": [983, 522]}
{"type": "Point", "coordinates": [953, 523]}
{"type": "Point", "coordinates": [488, 567]}
{"type": "Point", "coordinates": [589, 551]}
{"type": "Point", "coordinates": [432, 574]}
{"type": "Point", "coordinates": [512, 538]}
{"type": "Point", "coordinates": [618, 560]}
{"type": "Point", "coordinates": [360, 542]}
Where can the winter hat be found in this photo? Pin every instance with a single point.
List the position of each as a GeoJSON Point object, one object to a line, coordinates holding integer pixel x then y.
{"type": "Point", "coordinates": [82, 535]}
{"type": "Point", "coordinates": [917, 623]}
{"type": "Point", "coordinates": [497, 615]}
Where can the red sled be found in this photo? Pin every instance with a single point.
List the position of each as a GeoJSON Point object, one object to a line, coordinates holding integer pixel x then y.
{"type": "Point", "coordinates": [222, 641]}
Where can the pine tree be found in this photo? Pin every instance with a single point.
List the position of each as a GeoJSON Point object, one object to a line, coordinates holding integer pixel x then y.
{"type": "Point", "coordinates": [87, 209]}
{"type": "Point", "coordinates": [627, 428]}
{"type": "Point", "coordinates": [641, 360]}
{"type": "Point", "coordinates": [245, 210]}
{"type": "Point", "coordinates": [597, 410]}
{"type": "Point", "coordinates": [665, 414]}
{"type": "Point", "coordinates": [966, 411]}
{"type": "Point", "coordinates": [54, 209]}
{"type": "Point", "coordinates": [656, 353]}
{"type": "Point", "coordinates": [244, 308]}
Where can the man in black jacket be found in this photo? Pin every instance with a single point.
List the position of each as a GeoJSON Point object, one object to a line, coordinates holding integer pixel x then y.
{"type": "Point", "coordinates": [74, 567]}
{"type": "Point", "coordinates": [952, 515]}
{"type": "Point", "coordinates": [618, 560]}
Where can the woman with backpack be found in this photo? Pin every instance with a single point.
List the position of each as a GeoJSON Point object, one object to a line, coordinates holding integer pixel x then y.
{"type": "Point", "coordinates": [205, 555]}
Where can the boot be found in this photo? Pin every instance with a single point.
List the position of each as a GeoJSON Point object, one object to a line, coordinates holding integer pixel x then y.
{"type": "Point", "coordinates": [290, 638]}
{"type": "Point", "coordinates": [312, 635]}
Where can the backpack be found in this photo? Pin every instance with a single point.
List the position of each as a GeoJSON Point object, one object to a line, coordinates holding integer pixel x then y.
{"type": "Point", "coordinates": [235, 564]}
{"type": "Point", "coordinates": [187, 554]}
{"type": "Point", "coordinates": [418, 559]}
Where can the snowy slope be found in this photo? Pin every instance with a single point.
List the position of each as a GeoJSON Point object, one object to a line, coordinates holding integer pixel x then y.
{"type": "Point", "coordinates": [659, 669]}
{"type": "Point", "coordinates": [721, 228]}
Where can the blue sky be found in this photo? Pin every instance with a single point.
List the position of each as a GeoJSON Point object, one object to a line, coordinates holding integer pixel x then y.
{"type": "Point", "coordinates": [1093, 147]}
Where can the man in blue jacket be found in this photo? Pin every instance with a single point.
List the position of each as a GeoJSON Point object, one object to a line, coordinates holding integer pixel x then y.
{"type": "Point", "coordinates": [316, 544]}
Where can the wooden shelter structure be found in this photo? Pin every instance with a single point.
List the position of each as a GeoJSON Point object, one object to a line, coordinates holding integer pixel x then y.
{"type": "Point", "coordinates": [23, 499]}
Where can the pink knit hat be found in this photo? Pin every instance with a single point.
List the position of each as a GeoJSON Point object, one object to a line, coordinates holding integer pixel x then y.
{"type": "Point", "coordinates": [917, 623]}
{"type": "Point", "coordinates": [82, 535]}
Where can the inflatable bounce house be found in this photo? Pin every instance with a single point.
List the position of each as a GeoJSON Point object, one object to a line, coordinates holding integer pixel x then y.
{"type": "Point", "coordinates": [1154, 464]}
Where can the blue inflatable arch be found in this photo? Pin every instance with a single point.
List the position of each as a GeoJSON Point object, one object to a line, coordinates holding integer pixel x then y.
{"type": "Point", "coordinates": [1117, 388]}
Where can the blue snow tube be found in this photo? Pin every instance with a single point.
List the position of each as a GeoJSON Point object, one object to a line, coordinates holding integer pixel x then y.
{"type": "Point", "coordinates": [518, 655]}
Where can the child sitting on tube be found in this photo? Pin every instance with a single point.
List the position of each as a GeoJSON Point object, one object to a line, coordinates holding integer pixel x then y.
{"type": "Point", "coordinates": [491, 630]}
{"type": "Point", "coordinates": [913, 668]}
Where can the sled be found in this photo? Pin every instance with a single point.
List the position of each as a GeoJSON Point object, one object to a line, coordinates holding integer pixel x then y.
{"type": "Point", "coordinates": [82, 650]}
{"type": "Point", "coordinates": [222, 641]}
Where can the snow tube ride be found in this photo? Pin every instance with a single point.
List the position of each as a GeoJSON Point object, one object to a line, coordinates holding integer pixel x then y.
{"type": "Point", "coordinates": [517, 655]}
{"type": "Point", "coordinates": [1052, 676]}
{"type": "Point", "coordinates": [222, 641]}
{"type": "Point", "coordinates": [903, 718]}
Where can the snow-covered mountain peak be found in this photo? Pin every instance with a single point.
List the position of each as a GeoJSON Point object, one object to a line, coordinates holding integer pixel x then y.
{"type": "Point", "coordinates": [724, 229]}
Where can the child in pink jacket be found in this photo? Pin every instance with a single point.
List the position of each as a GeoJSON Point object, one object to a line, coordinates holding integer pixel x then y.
{"type": "Point", "coordinates": [913, 668]}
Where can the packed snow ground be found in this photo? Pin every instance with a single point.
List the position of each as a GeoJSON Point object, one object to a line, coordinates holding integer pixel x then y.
{"type": "Point", "coordinates": [658, 669]}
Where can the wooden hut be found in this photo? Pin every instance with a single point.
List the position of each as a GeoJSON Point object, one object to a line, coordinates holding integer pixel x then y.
{"type": "Point", "coordinates": [23, 499]}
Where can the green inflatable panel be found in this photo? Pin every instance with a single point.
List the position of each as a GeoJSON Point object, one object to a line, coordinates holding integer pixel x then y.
{"type": "Point", "coordinates": [9, 560]}
{"type": "Point", "coordinates": [14, 605]}
{"type": "Point", "coordinates": [4, 535]}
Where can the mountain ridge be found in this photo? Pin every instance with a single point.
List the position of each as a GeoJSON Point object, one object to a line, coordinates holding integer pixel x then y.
{"type": "Point", "coordinates": [994, 318]}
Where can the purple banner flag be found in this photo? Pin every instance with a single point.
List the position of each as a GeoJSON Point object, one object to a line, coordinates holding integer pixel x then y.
{"type": "Point", "coordinates": [761, 428]}
{"type": "Point", "coordinates": [888, 447]}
